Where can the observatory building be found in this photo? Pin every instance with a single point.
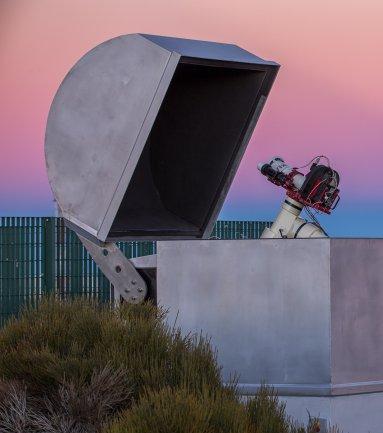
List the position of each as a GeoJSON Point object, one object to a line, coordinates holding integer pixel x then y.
{"type": "Point", "coordinates": [143, 140]}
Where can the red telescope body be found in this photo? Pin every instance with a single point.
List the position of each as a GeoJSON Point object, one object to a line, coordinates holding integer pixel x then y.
{"type": "Point", "coordinates": [317, 189]}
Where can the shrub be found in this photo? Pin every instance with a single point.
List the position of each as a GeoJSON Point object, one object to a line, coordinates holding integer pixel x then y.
{"type": "Point", "coordinates": [73, 366]}
{"type": "Point", "coordinates": [181, 411]}
{"type": "Point", "coordinates": [218, 411]}
{"type": "Point", "coordinates": [15, 413]}
{"type": "Point", "coordinates": [73, 408]}
{"type": "Point", "coordinates": [81, 407]}
{"type": "Point", "coordinates": [72, 339]}
{"type": "Point", "coordinates": [268, 415]}
{"type": "Point", "coordinates": [6, 389]}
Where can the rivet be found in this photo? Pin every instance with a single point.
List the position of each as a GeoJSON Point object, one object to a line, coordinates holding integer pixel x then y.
{"type": "Point", "coordinates": [134, 282]}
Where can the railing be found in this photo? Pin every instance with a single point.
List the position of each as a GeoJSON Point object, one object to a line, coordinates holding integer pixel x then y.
{"type": "Point", "coordinates": [40, 255]}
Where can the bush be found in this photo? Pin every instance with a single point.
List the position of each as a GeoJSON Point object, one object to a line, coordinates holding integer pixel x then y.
{"type": "Point", "coordinates": [268, 415]}
{"type": "Point", "coordinates": [220, 411]}
{"type": "Point", "coordinates": [72, 339]}
{"type": "Point", "coordinates": [15, 411]}
{"type": "Point", "coordinates": [74, 366]}
{"type": "Point", "coordinates": [73, 408]}
{"type": "Point", "coordinates": [180, 411]}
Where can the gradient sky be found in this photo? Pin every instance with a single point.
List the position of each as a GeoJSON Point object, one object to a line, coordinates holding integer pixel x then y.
{"type": "Point", "coordinates": [327, 99]}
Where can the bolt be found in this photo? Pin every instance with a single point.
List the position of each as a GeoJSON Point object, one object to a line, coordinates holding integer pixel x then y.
{"type": "Point", "coordinates": [140, 289]}
{"type": "Point", "coordinates": [127, 290]}
{"type": "Point", "coordinates": [105, 252]}
{"type": "Point", "coordinates": [134, 282]}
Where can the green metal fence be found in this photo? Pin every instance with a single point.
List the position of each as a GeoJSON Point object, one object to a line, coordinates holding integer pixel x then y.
{"type": "Point", "coordinates": [40, 255]}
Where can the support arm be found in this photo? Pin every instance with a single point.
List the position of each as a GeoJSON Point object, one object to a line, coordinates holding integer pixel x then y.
{"type": "Point", "coordinates": [125, 278]}
{"type": "Point", "coordinates": [289, 225]}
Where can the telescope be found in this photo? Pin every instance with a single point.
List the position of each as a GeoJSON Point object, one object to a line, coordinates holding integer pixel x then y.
{"type": "Point", "coordinates": [143, 139]}
{"type": "Point", "coordinates": [318, 189]}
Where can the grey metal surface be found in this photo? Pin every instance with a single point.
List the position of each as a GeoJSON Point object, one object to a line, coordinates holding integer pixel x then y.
{"type": "Point", "coordinates": [303, 315]}
{"type": "Point", "coordinates": [207, 50]}
{"type": "Point", "coordinates": [119, 270]}
{"type": "Point", "coordinates": [360, 413]}
{"type": "Point", "coordinates": [95, 128]}
{"type": "Point", "coordinates": [265, 303]}
{"type": "Point", "coordinates": [145, 262]}
{"type": "Point", "coordinates": [356, 311]}
{"type": "Point", "coordinates": [125, 101]}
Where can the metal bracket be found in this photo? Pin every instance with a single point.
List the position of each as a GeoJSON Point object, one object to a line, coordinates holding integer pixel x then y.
{"type": "Point", "coordinates": [118, 270]}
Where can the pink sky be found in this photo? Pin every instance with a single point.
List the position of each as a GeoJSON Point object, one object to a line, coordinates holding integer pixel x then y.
{"type": "Point", "coordinates": [328, 97]}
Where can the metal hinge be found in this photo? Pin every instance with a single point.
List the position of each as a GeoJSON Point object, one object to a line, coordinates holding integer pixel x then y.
{"type": "Point", "coordinates": [118, 269]}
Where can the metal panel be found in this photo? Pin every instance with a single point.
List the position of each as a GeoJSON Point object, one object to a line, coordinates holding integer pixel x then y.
{"type": "Point", "coordinates": [356, 311]}
{"type": "Point", "coordinates": [207, 50]}
{"type": "Point", "coordinates": [94, 129]}
{"type": "Point", "coordinates": [360, 413]}
{"type": "Point", "coordinates": [265, 303]}
{"type": "Point", "coordinates": [303, 315]}
{"type": "Point", "coordinates": [139, 144]}
{"type": "Point", "coordinates": [122, 142]}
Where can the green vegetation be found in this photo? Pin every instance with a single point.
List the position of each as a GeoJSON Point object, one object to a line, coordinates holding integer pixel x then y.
{"type": "Point", "coordinates": [178, 411]}
{"type": "Point", "coordinates": [79, 367]}
{"type": "Point", "coordinates": [72, 339]}
{"type": "Point", "coordinates": [220, 411]}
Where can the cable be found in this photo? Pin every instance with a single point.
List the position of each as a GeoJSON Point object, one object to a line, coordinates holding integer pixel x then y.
{"type": "Point", "coordinates": [314, 220]}
{"type": "Point", "coordinates": [318, 158]}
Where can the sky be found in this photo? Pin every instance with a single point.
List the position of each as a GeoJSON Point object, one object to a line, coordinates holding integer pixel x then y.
{"type": "Point", "coordinates": [327, 98]}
